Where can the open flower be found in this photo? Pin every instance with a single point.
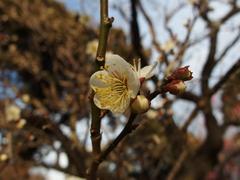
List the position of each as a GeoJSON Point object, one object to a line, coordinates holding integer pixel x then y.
{"type": "Point", "coordinates": [118, 83]}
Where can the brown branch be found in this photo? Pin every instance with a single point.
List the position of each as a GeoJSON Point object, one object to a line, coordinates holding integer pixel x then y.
{"type": "Point", "coordinates": [122, 12]}
{"type": "Point", "coordinates": [178, 165]}
{"type": "Point", "coordinates": [149, 22]}
{"type": "Point", "coordinates": [153, 33]}
{"type": "Point", "coordinates": [135, 33]}
{"type": "Point", "coordinates": [197, 40]}
{"type": "Point", "coordinates": [126, 130]}
{"type": "Point", "coordinates": [214, 140]}
{"type": "Point", "coordinates": [50, 128]}
{"type": "Point", "coordinates": [221, 82]}
{"type": "Point", "coordinates": [155, 94]}
{"type": "Point", "coordinates": [214, 29]}
{"type": "Point", "coordinates": [213, 37]}
{"type": "Point", "coordinates": [228, 47]}
{"type": "Point", "coordinates": [184, 45]}
{"type": "Point", "coordinates": [74, 135]}
{"type": "Point", "coordinates": [189, 96]}
{"type": "Point", "coordinates": [228, 123]}
{"type": "Point", "coordinates": [203, 10]}
{"type": "Point", "coordinates": [230, 14]}
{"type": "Point", "coordinates": [210, 62]}
{"type": "Point", "coordinates": [57, 167]}
{"type": "Point", "coordinates": [169, 16]}
{"type": "Point", "coordinates": [95, 129]}
{"type": "Point", "coordinates": [185, 95]}
{"type": "Point", "coordinates": [105, 25]}
{"type": "Point", "coordinates": [190, 119]}
{"type": "Point", "coordinates": [151, 27]}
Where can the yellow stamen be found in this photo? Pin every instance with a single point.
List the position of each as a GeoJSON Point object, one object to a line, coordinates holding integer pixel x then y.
{"type": "Point", "coordinates": [116, 95]}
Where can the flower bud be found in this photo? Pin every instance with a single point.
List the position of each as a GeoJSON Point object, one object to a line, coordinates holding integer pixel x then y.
{"type": "Point", "coordinates": [3, 157]}
{"type": "Point", "coordinates": [183, 74]}
{"type": "Point", "coordinates": [21, 123]}
{"type": "Point", "coordinates": [140, 105]}
{"type": "Point", "coordinates": [175, 87]}
{"type": "Point", "coordinates": [12, 112]}
{"type": "Point", "coordinates": [25, 98]}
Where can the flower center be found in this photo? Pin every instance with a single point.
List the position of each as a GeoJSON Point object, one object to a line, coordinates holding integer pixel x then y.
{"type": "Point", "coordinates": [118, 83]}
{"type": "Point", "coordinates": [116, 95]}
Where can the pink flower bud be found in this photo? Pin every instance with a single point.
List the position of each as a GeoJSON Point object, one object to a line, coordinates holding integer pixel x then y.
{"type": "Point", "coordinates": [183, 74]}
{"type": "Point", "coordinates": [175, 87]}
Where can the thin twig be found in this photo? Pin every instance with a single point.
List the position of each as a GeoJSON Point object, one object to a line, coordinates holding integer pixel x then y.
{"type": "Point", "coordinates": [221, 82]}
{"type": "Point", "coordinates": [135, 33]}
{"type": "Point", "coordinates": [178, 165]}
{"type": "Point", "coordinates": [190, 119]}
{"type": "Point", "coordinates": [228, 47]}
{"type": "Point", "coordinates": [126, 130]}
{"type": "Point", "coordinates": [102, 156]}
{"type": "Point", "coordinates": [105, 25]}
{"type": "Point", "coordinates": [210, 63]}
{"type": "Point", "coordinates": [155, 43]}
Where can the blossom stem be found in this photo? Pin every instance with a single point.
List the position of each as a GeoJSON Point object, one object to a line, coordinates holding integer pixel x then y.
{"type": "Point", "coordinates": [126, 130]}
{"type": "Point", "coordinates": [105, 25]}
{"type": "Point", "coordinates": [103, 155]}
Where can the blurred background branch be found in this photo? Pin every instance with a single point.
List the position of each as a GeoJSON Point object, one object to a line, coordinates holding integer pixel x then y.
{"type": "Point", "coordinates": [47, 54]}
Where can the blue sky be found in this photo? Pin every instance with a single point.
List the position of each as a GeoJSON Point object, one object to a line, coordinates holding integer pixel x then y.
{"type": "Point", "coordinates": [196, 55]}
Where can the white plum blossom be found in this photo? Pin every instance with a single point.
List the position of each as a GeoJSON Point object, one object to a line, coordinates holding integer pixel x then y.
{"type": "Point", "coordinates": [118, 83]}
{"type": "Point", "coordinates": [12, 112]}
{"type": "Point", "coordinates": [91, 48]}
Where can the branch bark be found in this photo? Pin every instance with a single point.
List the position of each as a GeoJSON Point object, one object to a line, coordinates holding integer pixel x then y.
{"type": "Point", "coordinates": [46, 125]}
{"type": "Point", "coordinates": [135, 33]}
{"type": "Point", "coordinates": [190, 119]}
{"type": "Point", "coordinates": [221, 82]}
{"type": "Point", "coordinates": [105, 25]}
{"type": "Point", "coordinates": [126, 130]}
{"type": "Point", "coordinates": [210, 62]}
{"type": "Point", "coordinates": [103, 155]}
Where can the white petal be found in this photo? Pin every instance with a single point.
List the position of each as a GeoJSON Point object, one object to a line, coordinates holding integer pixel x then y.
{"type": "Point", "coordinates": [99, 79]}
{"type": "Point", "coordinates": [133, 84]}
{"type": "Point", "coordinates": [148, 71]}
{"type": "Point", "coordinates": [116, 64]}
{"type": "Point", "coordinates": [116, 108]}
{"type": "Point", "coordinates": [122, 108]}
{"type": "Point", "coordinates": [98, 103]}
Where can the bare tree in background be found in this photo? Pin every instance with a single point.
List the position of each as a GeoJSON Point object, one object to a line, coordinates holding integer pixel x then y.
{"type": "Point", "coordinates": [47, 55]}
